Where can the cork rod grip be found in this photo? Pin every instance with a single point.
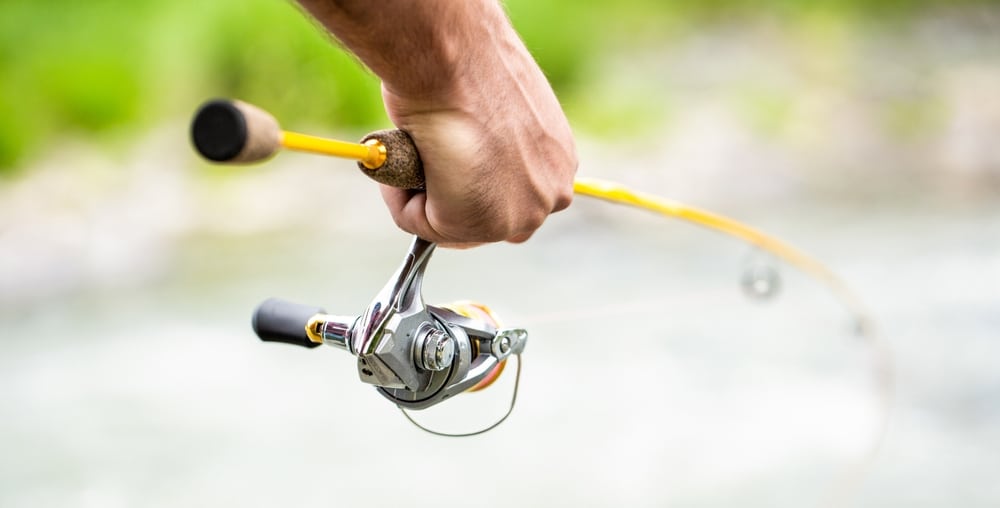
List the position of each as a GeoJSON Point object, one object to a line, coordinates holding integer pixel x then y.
{"type": "Point", "coordinates": [402, 167]}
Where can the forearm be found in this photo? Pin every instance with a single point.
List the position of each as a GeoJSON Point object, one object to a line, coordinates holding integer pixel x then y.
{"type": "Point", "coordinates": [423, 49]}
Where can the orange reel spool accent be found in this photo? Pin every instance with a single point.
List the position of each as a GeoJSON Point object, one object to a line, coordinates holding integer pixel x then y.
{"type": "Point", "coordinates": [476, 310]}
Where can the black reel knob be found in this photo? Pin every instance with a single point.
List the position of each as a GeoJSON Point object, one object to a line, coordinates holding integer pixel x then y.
{"type": "Point", "coordinates": [277, 320]}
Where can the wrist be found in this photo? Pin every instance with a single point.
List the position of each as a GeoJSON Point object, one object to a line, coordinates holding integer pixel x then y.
{"type": "Point", "coordinates": [462, 57]}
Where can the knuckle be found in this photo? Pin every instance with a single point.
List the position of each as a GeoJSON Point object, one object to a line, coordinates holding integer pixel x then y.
{"type": "Point", "coordinates": [564, 198]}
{"type": "Point", "coordinates": [534, 220]}
{"type": "Point", "coordinates": [528, 223]}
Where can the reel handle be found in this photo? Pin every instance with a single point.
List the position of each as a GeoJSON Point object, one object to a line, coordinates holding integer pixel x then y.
{"type": "Point", "coordinates": [277, 320]}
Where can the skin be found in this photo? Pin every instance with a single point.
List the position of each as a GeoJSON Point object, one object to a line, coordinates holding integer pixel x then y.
{"type": "Point", "coordinates": [497, 150]}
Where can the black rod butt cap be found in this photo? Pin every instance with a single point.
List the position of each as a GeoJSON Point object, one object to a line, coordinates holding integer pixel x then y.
{"type": "Point", "coordinates": [219, 130]}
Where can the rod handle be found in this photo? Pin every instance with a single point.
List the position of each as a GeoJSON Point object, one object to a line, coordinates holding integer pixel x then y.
{"type": "Point", "coordinates": [235, 132]}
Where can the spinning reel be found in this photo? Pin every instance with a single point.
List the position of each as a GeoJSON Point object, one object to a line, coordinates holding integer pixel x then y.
{"type": "Point", "coordinates": [416, 355]}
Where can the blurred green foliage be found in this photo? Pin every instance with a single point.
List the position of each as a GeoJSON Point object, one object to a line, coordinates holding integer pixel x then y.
{"type": "Point", "coordinates": [104, 66]}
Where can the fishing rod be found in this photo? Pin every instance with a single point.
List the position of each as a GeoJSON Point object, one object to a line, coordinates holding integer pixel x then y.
{"type": "Point", "coordinates": [419, 355]}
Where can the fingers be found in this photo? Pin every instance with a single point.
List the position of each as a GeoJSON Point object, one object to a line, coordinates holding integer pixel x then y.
{"type": "Point", "coordinates": [409, 211]}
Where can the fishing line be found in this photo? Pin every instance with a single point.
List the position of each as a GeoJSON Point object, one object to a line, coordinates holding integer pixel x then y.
{"type": "Point", "coordinates": [864, 324]}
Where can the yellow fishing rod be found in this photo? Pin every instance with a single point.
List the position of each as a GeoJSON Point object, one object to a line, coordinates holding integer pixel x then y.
{"type": "Point", "coordinates": [231, 131]}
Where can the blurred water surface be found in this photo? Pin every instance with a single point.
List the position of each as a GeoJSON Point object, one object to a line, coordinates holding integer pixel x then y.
{"type": "Point", "coordinates": [131, 377]}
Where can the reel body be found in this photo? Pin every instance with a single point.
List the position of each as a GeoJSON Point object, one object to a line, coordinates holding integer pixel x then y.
{"type": "Point", "coordinates": [416, 355]}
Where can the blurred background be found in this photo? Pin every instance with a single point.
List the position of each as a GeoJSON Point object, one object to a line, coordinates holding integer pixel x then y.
{"type": "Point", "coordinates": [866, 133]}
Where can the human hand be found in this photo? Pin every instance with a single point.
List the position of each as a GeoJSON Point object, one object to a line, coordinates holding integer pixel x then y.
{"type": "Point", "coordinates": [497, 151]}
